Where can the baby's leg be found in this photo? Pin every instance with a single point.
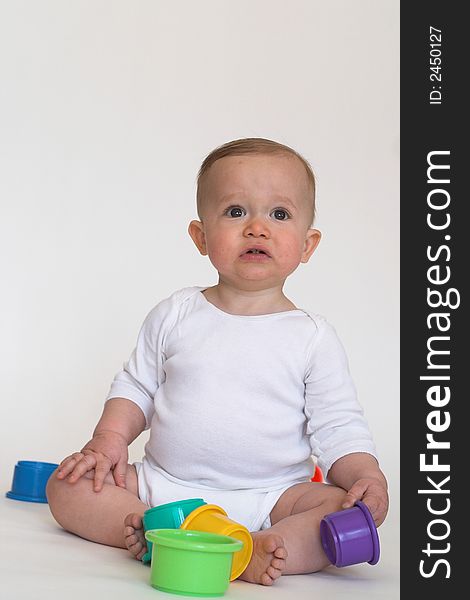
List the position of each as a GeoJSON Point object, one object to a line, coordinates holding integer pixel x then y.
{"type": "Point", "coordinates": [98, 516]}
{"type": "Point", "coordinates": [296, 529]}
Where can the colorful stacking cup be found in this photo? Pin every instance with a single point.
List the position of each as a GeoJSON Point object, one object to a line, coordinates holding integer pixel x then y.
{"type": "Point", "coordinates": [191, 563]}
{"type": "Point", "coordinates": [213, 519]}
{"type": "Point", "coordinates": [168, 516]}
{"type": "Point", "coordinates": [30, 480]}
{"type": "Point", "coordinates": [350, 537]}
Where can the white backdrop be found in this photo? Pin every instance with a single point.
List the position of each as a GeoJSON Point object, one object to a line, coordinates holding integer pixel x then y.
{"type": "Point", "coordinates": [107, 109]}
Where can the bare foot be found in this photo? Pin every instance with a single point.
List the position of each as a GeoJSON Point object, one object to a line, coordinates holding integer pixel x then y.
{"type": "Point", "coordinates": [268, 560]}
{"type": "Point", "coordinates": [134, 535]}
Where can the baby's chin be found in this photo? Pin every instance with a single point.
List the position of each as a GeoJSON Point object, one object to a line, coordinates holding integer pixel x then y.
{"type": "Point", "coordinates": [252, 282]}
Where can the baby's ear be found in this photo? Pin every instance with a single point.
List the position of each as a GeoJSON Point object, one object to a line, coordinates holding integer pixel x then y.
{"type": "Point", "coordinates": [196, 231]}
{"type": "Point", "coordinates": [312, 240]}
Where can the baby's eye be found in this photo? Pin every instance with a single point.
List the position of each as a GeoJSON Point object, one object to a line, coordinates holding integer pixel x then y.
{"type": "Point", "coordinates": [280, 214]}
{"type": "Point", "coordinates": [235, 211]}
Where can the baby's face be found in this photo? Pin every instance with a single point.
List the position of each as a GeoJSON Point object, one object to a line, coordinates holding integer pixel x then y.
{"type": "Point", "coordinates": [255, 221]}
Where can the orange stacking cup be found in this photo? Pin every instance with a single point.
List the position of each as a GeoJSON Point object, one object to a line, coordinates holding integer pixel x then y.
{"type": "Point", "coordinates": [213, 519]}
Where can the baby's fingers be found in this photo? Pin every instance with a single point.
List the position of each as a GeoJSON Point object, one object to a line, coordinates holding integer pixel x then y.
{"type": "Point", "coordinates": [68, 465]}
{"type": "Point", "coordinates": [85, 464]}
{"type": "Point", "coordinates": [373, 504]}
{"type": "Point", "coordinates": [103, 467]}
{"type": "Point", "coordinates": [378, 507]}
{"type": "Point", "coordinates": [354, 494]}
{"type": "Point", "coordinates": [119, 472]}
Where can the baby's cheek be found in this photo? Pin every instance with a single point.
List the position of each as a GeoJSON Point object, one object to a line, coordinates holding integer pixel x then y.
{"type": "Point", "coordinates": [290, 257]}
{"type": "Point", "coordinates": [217, 254]}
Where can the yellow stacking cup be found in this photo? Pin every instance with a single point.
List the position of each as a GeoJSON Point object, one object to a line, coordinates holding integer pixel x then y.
{"type": "Point", "coordinates": [213, 519]}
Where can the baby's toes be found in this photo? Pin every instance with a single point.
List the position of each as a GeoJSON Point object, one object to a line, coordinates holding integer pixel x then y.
{"type": "Point", "coordinates": [280, 552]}
{"type": "Point", "coordinates": [128, 531]}
{"type": "Point", "coordinates": [133, 520]}
{"type": "Point", "coordinates": [132, 540]}
{"type": "Point", "coordinates": [278, 563]}
{"type": "Point", "coordinates": [266, 579]}
{"type": "Point", "coordinates": [273, 573]}
{"type": "Point", "coordinates": [128, 520]}
{"type": "Point", "coordinates": [136, 548]}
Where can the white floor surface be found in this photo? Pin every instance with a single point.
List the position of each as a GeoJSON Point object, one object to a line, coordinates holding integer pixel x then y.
{"type": "Point", "coordinates": [40, 561]}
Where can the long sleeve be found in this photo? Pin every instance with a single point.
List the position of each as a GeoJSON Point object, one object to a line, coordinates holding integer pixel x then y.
{"type": "Point", "coordinates": [142, 373]}
{"type": "Point", "coordinates": [335, 422]}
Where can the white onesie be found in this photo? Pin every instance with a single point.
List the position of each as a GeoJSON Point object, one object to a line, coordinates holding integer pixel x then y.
{"type": "Point", "coordinates": [237, 405]}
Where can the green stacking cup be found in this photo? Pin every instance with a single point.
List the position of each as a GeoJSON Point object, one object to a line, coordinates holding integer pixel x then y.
{"type": "Point", "coordinates": [168, 516]}
{"type": "Point", "coordinates": [191, 563]}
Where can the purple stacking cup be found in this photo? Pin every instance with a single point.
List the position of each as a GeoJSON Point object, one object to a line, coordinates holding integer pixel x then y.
{"type": "Point", "coordinates": [350, 537]}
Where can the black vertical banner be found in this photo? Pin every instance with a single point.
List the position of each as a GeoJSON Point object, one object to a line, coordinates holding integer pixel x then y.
{"type": "Point", "coordinates": [435, 265]}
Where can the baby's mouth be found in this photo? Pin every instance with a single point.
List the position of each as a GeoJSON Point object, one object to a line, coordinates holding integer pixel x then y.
{"type": "Point", "coordinates": [256, 251]}
{"type": "Point", "coordinates": [255, 254]}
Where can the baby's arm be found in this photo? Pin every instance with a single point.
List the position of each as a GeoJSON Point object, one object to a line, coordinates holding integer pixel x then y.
{"type": "Point", "coordinates": [359, 473]}
{"type": "Point", "coordinates": [120, 424]}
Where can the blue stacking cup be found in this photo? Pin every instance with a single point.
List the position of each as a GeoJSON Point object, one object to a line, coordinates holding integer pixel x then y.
{"type": "Point", "coordinates": [30, 480]}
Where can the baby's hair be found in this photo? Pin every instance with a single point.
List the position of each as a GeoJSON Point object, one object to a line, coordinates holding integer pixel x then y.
{"type": "Point", "coordinates": [251, 146]}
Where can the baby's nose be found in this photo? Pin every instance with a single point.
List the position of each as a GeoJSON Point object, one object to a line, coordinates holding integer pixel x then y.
{"type": "Point", "coordinates": [256, 227]}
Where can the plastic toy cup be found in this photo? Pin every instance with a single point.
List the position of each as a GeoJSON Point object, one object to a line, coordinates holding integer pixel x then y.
{"type": "Point", "coordinates": [30, 480]}
{"type": "Point", "coordinates": [318, 475]}
{"type": "Point", "coordinates": [168, 516]}
{"type": "Point", "coordinates": [213, 519]}
{"type": "Point", "coordinates": [350, 537]}
{"type": "Point", "coordinates": [192, 563]}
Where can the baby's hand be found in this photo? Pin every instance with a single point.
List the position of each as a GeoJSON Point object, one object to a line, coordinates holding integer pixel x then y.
{"type": "Point", "coordinates": [106, 452]}
{"type": "Point", "coordinates": [373, 493]}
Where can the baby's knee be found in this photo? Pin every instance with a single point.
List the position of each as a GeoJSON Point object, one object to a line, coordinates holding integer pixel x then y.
{"type": "Point", "coordinates": [56, 490]}
{"type": "Point", "coordinates": [62, 498]}
{"type": "Point", "coordinates": [52, 487]}
{"type": "Point", "coordinates": [55, 494]}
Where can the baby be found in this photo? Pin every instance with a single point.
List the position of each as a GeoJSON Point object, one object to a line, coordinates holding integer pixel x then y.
{"type": "Point", "coordinates": [238, 386]}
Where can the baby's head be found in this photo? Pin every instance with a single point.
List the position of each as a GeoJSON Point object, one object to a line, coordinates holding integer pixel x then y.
{"type": "Point", "coordinates": [256, 205]}
{"type": "Point", "coordinates": [253, 147]}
